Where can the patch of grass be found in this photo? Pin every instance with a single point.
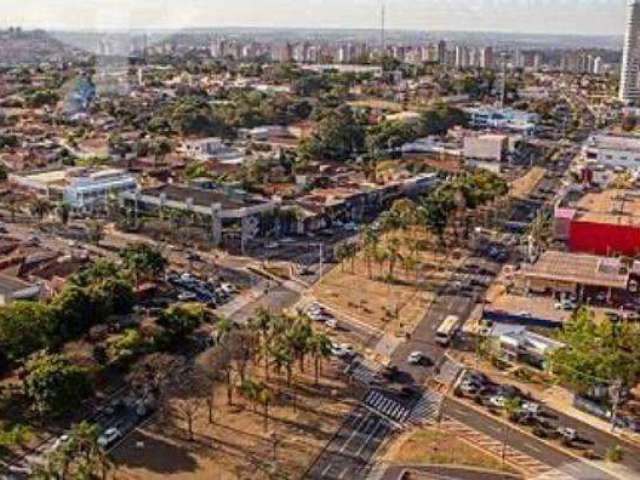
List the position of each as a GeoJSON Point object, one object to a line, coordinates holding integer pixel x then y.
{"type": "Point", "coordinates": [431, 446]}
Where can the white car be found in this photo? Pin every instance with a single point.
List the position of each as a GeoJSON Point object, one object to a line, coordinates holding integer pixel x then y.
{"type": "Point", "coordinates": [109, 437]}
{"type": "Point", "coordinates": [416, 358]}
{"type": "Point", "coordinates": [341, 349]}
{"type": "Point", "coordinates": [331, 323]}
{"type": "Point", "coordinates": [531, 407]}
{"type": "Point", "coordinates": [187, 296]}
{"type": "Point", "coordinates": [497, 401]}
{"type": "Point", "coordinates": [568, 433]}
{"type": "Point", "coordinates": [228, 288]}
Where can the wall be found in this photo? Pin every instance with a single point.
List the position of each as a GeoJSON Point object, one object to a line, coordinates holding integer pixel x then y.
{"type": "Point", "coordinates": [604, 239]}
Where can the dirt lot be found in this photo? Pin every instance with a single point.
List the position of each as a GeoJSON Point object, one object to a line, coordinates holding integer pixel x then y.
{"type": "Point", "coordinates": [237, 446]}
{"type": "Point", "coordinates": [523, 186]}
{"type": "Point", "coordinates": [394, 306]}
{"type": "Point", "coordinates": [427, 445]}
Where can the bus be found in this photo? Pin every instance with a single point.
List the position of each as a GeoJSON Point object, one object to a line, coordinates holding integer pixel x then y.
{"type": "Point", "coordinates": [447, 330]}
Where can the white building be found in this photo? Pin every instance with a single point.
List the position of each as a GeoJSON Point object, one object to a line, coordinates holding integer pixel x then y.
{"type": "Point", "coordinates": [486, 151]}
{"type": "Point", "coordinates": [630, 78]}
{"type": "Point", "coordinates": [612, 152]}
{"type": "Point", "coordinates": [80, 188]}
{"type": "Point", "coordinates": [212, 148]}
{"type": "Point", "coordinates": [504, 119]}
{"type": "Point", "coordinates": [90, 190]}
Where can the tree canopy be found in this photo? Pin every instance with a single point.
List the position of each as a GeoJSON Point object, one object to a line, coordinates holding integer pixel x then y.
{"type": "Point", "coordinates": [597, 352]}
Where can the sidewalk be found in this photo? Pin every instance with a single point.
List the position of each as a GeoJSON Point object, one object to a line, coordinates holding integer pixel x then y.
{"type": "Point", "coordinates": [561, 399]}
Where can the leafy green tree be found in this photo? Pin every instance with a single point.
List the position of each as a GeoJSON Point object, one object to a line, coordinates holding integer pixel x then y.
{"type": "Point", "coordinates": [338, 136]}
{"type": "Point", "coordinates": [25, 327]}
{"type": "Point", "coordinates": [597, 352]}
{"type": "Point", "coordinates": [74, 310]}
{"type": "Point", "coordinates": [143, 261]}
{"type": "Point", "coordinates": [180, 321]}
{"type": "Point", "coordinates": [56, 386]}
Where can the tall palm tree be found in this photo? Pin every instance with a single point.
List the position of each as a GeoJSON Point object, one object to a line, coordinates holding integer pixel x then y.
{"type": "Point", "coordinates": [40, 207]}
{"type": "Point", "coordinates": [393, 254]}
{"type": "Point", "coordinates": [64, 211]}
{"type": "Point", "coordinates": [320, 348]}
{"type": "Point", "coordinates": [265, 397]}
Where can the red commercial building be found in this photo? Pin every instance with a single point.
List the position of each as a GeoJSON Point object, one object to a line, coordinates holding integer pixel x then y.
{"type": "Point", "coordinates": [606, 223]}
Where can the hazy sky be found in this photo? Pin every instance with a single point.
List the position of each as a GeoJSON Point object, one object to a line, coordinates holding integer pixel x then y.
{"type": "Point", "coordinates": [546, 16]}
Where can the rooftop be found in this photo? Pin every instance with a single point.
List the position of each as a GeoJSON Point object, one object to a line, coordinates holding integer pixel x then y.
{"type": "Point", "coordinates": [579, 268]}
{"type": "Point", "coordinates": [620, 207]}
{"type": "Point", "coordinates": [614, 142]}
{"type": "Point", "coordinates": [230, 199]}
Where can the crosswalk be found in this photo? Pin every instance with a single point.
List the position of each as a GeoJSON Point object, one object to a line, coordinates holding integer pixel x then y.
{"type": "Point", "coordinates": [426, 408]}
{"type": "Point", "coordinates": [363, 371]}
{"type": "Point", "coordinates": [448, 372]}
{"type": "Point", "coordinates": [387, 406]}
{"type": "Point", "coordinates": [537, 469]}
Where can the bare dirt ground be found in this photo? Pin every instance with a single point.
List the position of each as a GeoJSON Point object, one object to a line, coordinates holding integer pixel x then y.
{"type": "Point", "coordinates": [237, 445]}
{"type": "Point", "coordinates": [523, 186]}
{"type": "Point", "coordinates": [393, 306]}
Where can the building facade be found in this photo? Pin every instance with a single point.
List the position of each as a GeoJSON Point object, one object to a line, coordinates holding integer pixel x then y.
{"type": "Point", "coordinates": [629, 77]}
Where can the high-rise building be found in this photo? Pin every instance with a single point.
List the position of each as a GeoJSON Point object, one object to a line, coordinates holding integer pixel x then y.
{"type": "Point", "coordinates": [486, 58]}
{"type": "Point", "coordinates": [442, 51]}
{"type": "Point", "coordinates": [597, 66]}
{"type": "Point", "coordinates": [629, 88]}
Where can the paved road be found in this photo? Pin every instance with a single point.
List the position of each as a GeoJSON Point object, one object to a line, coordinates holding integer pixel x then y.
{"type": "Point", "coordinates": [347, 455]}
{"type": "Point", "coordinates": [531, 446]}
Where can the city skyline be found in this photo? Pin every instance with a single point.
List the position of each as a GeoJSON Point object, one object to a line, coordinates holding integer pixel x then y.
{"type": "Point", "coordinates": [588, 17]}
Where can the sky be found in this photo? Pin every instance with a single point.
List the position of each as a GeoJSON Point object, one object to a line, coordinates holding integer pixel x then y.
{"type": "Point", "coordinates": [589, 17]}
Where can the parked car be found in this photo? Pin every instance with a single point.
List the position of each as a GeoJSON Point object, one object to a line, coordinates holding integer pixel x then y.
{"type": "Point", "coordinates": [531, 407]}
{"type": "Point", "coordinates": [497, 401]}
{"type": "Point", "coordinates": [419, 358]}
{"type": "Point", "coordinates": [331, 323]}
{"type": "Point", "coordinates": [342, 350]}
{"type": "Point", "coordinates": [187, 296]}
{"type": "Point", "coordinates": [568, 434]}
{"type": "Point", "coordinates": [109, 437]}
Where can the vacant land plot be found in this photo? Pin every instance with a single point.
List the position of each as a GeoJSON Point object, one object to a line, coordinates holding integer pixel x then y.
{"type": "Point", "coordinates": [523, 186]}
{"type": "Point", "coordinates": [394, 304]}
{"type": "Point", "coordinates": [237, 445]}
{"type": "Point", "coordinates": [430, 446]}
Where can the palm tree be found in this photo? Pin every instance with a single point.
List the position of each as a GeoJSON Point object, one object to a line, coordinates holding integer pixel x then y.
{"type": "Point", "coordinates": [393, 253]}
{"type": "Point", "coordinates": [64, 211]}
{"type": "Point", "coordinates": [320, 348]}
{"type": "Point", "coordinates": [297, 339]}
{"type": "Point", "coordinates": [380, 256]}
{"type": "Point", "coordinates": [265, 397]}
{"type": "Point", "coordinates": [370, 240]}
{"type": "Point", "coordinates": [250, 391]}
{"type": "Point", "coordinates": [40, 207]}
{"type": "Point", "coordinates": [283, 358]}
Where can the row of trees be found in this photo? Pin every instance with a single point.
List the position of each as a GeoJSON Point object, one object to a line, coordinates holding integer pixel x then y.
{"type": "Point", "coordinates": [343, 133]}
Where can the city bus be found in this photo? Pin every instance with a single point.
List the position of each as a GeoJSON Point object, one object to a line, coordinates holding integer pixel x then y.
{"type": "Point", "coordinates": [447, 330]}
